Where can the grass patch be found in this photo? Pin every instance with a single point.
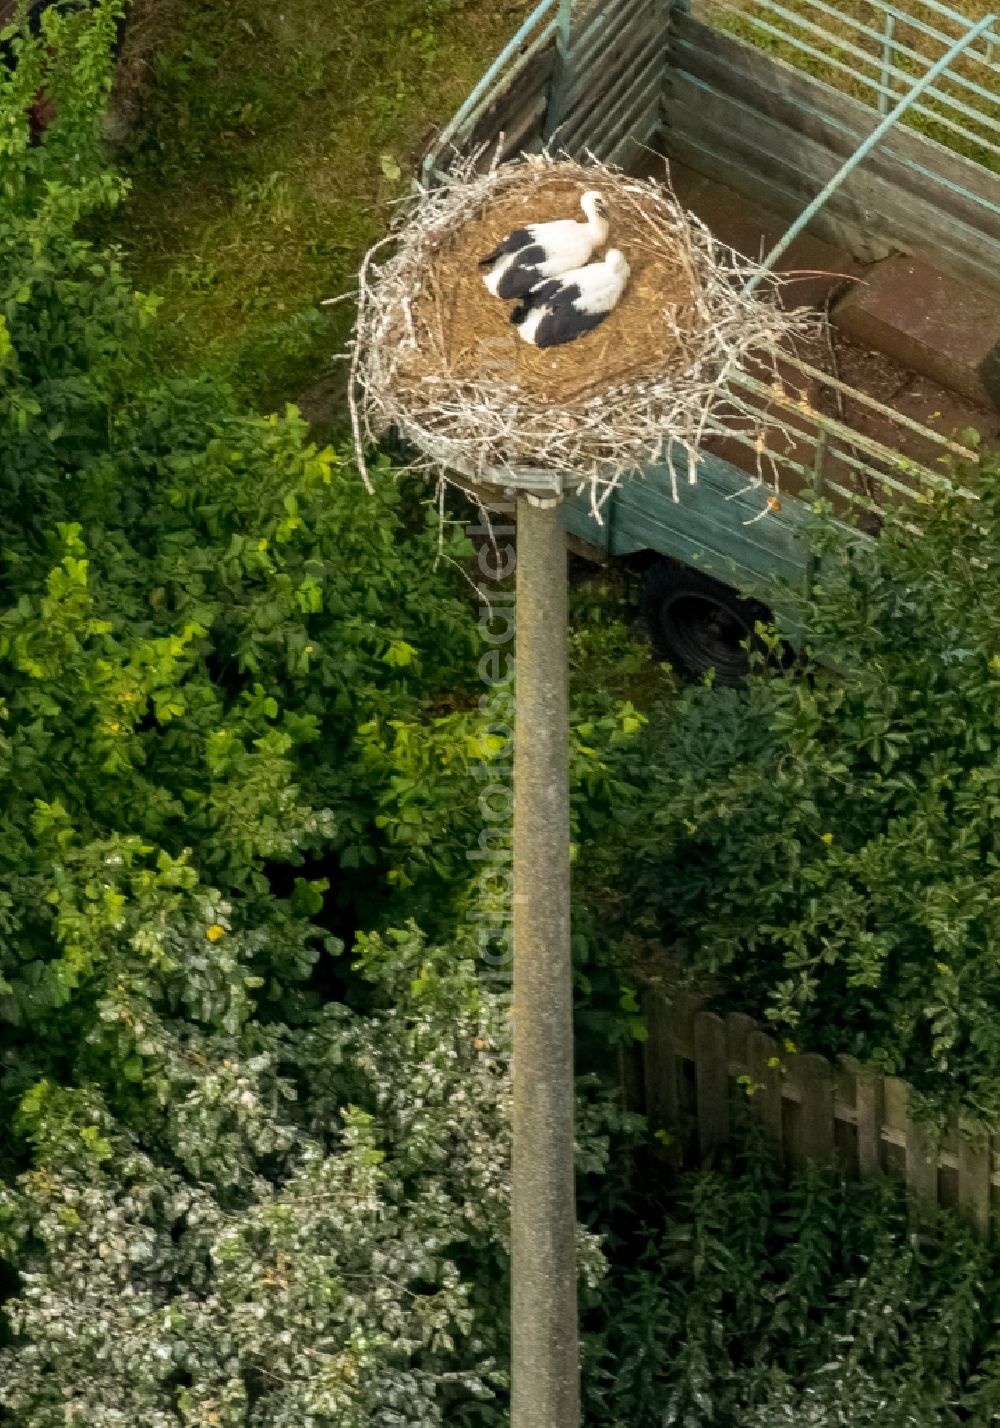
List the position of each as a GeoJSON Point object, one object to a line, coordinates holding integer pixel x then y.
{"type": "Point", "coordinates": [266, 144]}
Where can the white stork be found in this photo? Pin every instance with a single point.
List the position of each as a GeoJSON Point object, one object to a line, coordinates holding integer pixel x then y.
{"type": "Point", "coordinates": [544, 250]}
{"type": "Point", "coordinates": [566, 307]}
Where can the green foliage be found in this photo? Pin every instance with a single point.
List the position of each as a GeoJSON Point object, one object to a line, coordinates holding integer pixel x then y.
{"type": "Point", "coordinates": [199, 607]}
{"type": "Point", "coordinates": [227, 1198]}
{"type": "Point", "coordinates": [283, 1227]}
{"type": "Point", "coordinates": [607, 660]}
{"type": "Point", "coordinates": [237, 716]}
{"type": "Point", "coordinates": [751, 1300]}
{"type": "Point", "coordinates": [825, 844]}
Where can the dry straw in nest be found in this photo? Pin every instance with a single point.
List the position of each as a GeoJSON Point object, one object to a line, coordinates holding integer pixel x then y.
{"type": "Point", "coordinates": [435, 355]}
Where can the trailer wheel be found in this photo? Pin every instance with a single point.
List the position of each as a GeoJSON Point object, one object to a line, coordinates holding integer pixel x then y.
{"type": "Point", "coordinates": [699, 624]}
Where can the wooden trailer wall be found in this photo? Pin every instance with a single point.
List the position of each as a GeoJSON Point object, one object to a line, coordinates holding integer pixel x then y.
{"type": "Point", "coordinates": [618, 78]}
{"type": "Point", "coordinates": [588, 79]}
{"type": "Point", "coordinates": [607, 96]}
{"type": "Point", "coordinates": [776, 135]}
{"type": "Point", "coordinates": [715, 526]}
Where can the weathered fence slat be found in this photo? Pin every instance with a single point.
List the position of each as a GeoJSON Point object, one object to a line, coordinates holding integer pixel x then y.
{"type": "Point", "coordinates": [814, 1131]}
{"type": "Point", "coordinates": [921, 1161]}
{"type": "Point", "coordinates": [868, 1114]}
{"type": "Point", "coordinates": [660, 1068]}
{"type": "Point", "coordinates": [739, 1028]}
{"type": "Point", "coordinates": [807, 1108]}
{"type": "Point", "coordinates": [974, 1180]}
{"type": "Point", "coordinates": [763, 1068]}
{"type": "Point", "coordinates": [711, 1066]}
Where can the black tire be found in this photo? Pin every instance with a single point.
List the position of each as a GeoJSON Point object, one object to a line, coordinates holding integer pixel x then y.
{"type": "Point", "coordinates": [698, 624]}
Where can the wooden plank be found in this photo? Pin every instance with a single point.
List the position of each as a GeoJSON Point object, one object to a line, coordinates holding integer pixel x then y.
{"type": "Point", "coordinates": [845, 1122]}
{"type": "Point", "coordinates": [972, 261]}
{"type": "Point", "coordinates": [696, 104]}
{"type": "Point", "coordinates": [871, 190]}
{"type": "Point", "coordinates": [770, 192]}
{"type": "Point", "coordinates": [921, 1159]}
{"type": "Point", "coordinates": [974, 1179]}
{"type": "Point", "coordinates": [916, 180]}
{"type": "Point", "coordinates": [532, 80]}
{"type": "Point", "coordinates": [712, 1081]}
{"type": "Point", "coordinates": [868, 1111]}
{"type": "Point", "coordinates": [739, 1028]}
{"type": "Point", "coordinates": [524, 89]}
{"type": "Point", "coordinates": [598, 29]}
{"type": "Point", "coordinates": [718, 477]}
{"type": "Point", "coordinates": [895, 1097]}
{"type": "Point", "coordinates": [638, 99]}
{"type": "Point", "coordinates": [893, 1133]}
{"type": "Point", "coordinates": [733, 565]}
{"type": "Point", "coordinates": [817, 109]}
{"type": "Point", "coordinates": [606, 53]}
{"type": "Point", "coordinates": [813, 1140]}
{"type": "Point", "coordinates": [700, 522]}
{"type": "Point", "coordinates": [868, 203]}
{"type": "Point", "coordinates": [607, 87]}
{"type": "Point", "coordinates": [518, 133]}
{"type": "Point", "coordinates": [660, 1073]}
{"type": "Point", "coordinates": [763, 1067]}
{"type": "Point", "coordinates": [638, 137]}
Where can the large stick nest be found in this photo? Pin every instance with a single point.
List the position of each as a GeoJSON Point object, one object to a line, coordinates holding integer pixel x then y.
{"type": "Point", "coordinates": [436, 357]}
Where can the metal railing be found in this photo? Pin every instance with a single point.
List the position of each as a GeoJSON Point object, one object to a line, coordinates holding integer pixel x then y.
{"type": "Point", "coordinates": [541, 28]}
{"type": "Point", "coordinates": [909, 101]}
{"type": "Point", "coordinates": [875, 51]}
{"type": "Point", "coordinates": [809, 452]}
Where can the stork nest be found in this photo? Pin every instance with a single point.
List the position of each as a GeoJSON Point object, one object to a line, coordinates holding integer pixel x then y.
{"type": "Point", "coordinates": [436, 357]}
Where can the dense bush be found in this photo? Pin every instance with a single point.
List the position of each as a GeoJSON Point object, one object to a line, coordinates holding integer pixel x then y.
{"type": "Point", "coordinates": [754, 1302]}
{"type": "Point", "coordinates": [276, 1228]}
{"type": "Point", "coordinates": [827, 844]}
{"type": "Point", "coordinates": [237, 717]}
{"type": "Point", "coordinates": [198, 610]}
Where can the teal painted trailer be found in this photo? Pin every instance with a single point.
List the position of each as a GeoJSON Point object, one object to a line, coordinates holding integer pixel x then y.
{"type": "Point", "coordinates": [780, 105]}
{"type": "Point", "coordinates": [714, 526]}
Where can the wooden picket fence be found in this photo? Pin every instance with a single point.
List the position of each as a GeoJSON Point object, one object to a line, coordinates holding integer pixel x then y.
{"type": "Point", "coordinates": [695, 1067]}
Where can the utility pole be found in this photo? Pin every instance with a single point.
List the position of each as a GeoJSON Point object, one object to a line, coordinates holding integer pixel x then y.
{"type": "Point", "coordinates": [545, 1350]}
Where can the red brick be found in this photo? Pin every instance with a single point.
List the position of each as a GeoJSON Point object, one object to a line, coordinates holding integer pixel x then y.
{"type": "Point", "coordinates": [929, 323]}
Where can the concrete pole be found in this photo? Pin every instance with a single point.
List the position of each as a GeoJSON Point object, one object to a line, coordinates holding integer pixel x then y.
{"type": "Point", "coordinates": [545, 1355]}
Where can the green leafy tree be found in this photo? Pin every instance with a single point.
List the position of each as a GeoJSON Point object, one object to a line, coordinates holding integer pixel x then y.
{"type": "Point", "coordinates": [262, 1226]}
{"type": "Point", "coordinates": [227, 1197]}
{"type": "Point", "coordinates": [198, 608]}
{"type": "Point", "coordinates": [825, 845]}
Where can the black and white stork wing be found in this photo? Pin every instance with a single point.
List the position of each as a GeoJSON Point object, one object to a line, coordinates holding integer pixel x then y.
{"type": "Point", "coordinates": [523, 274]}
{"type": "Point", "coordinates": [513, 243]}
{"type": "Point", "coordinates": [540, 293]}
{"type": "Point", "coordinates": [565, 318]}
